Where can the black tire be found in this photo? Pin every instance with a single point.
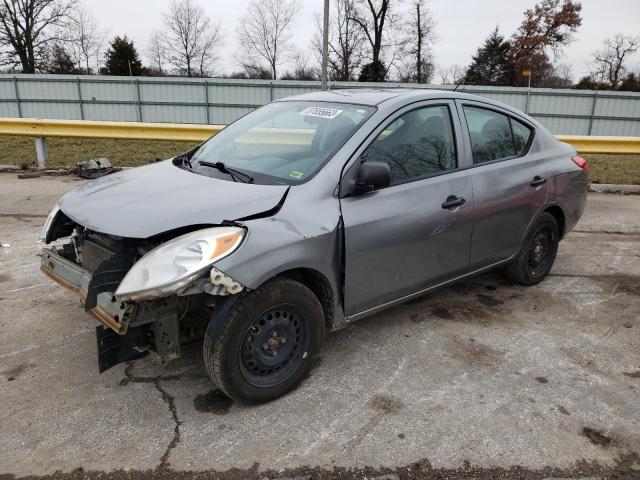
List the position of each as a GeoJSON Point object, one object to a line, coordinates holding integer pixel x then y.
{"type": "Point", "coordinates": [268, 342]}
{"type": "Point", "coordinates": [538, 252]}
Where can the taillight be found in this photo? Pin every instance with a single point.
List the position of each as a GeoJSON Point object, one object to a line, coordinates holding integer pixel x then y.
{"type": "Point", "coordinates": [581, 162]}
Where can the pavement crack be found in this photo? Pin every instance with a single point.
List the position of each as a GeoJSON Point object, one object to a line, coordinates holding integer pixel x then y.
{"type": "Point", "coordinates": [171, 404]}
{"type": "Point", "coordinates": [167, 398]}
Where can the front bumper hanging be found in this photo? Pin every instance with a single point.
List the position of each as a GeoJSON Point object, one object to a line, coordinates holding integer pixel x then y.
{"type": "Point", "coordinates": [108, 311]}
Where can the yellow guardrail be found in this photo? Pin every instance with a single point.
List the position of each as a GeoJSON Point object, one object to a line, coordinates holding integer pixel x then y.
{"type": "Point", "coordinates": [181, 132]}
{"type": "Point", "coordinates": [197, 133]}
{"type": "Point", "coordinates": [589, 144]}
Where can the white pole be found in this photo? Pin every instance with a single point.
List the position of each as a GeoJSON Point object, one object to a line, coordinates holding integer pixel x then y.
{"type": "Point", "coordinates": [528, 92]}
{"type": "Point", "coordinates": [41, 152]}
{"type": "Point", "coordinates": [325, 46]}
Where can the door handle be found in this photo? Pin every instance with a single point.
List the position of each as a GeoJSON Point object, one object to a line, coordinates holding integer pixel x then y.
{"type": "Point", "coordinates": [452, 202]}
{"type": "Point", "coordinates": [537, 181]}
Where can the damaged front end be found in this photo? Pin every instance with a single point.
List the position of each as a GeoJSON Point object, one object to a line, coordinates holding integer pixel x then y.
{"type": "Point", "coordinates": [149, 295]}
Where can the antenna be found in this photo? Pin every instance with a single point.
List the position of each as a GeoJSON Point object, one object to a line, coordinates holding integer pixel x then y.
{"type": "Point", "coordinates": [461, 82]}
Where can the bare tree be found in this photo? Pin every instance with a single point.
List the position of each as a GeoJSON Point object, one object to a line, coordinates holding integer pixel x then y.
{"type": "Point", "coordinates": [27, 26]}
{"type": "Point", "coordinates": [85, 39]}
{"type": "Point", "coordinates": [418, 36]}
{"type": "Point", "coordinates": [346, 41]}
{"type": "Point", "coordinates": [157, 52]}
{"type": "Point", "coordinates": [193, 38]}
{"type": "Point", "coordinates": [302, 70]}
{"type": "Point", "coordinates": [263, 33]}
{"type": "Point", "coordinates": [376, 19]}
{"type": "Point", "coordinates": [609, 62]}
{"type": "Point", "coordinates": [452, 75]}
{"type": "Point", "coordinates": [564, 74]}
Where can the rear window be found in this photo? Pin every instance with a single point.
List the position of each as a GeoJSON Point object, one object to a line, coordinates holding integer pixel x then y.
{"type": "Point", "coordinates": [495, 136]}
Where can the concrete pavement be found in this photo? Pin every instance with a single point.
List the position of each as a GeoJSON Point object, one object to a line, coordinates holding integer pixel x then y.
{"type": "Point", "coordinates": [484, 377]}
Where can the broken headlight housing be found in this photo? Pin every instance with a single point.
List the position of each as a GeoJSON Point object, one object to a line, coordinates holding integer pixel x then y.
{"type": "Point", "coordinates": [174, 265]}
{"type": "Point", "coordinates": [48, 222]}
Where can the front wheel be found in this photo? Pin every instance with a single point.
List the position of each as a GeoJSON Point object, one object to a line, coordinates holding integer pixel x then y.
{"type": "Point", "coordinates": [538, 252]}
{"type": "Point", "coordinates": [268, 342]}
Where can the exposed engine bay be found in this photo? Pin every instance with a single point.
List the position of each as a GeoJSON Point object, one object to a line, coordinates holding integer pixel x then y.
{"type": "Point", "coordinates": [93, 265]}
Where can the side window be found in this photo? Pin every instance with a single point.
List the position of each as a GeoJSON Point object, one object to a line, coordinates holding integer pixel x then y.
{"type": "Point", "coordinates": [417, 144]}
{"type": "Point", "coordinates": [521, 135]}
{"type": "Point", "coordinates": [491, 136]}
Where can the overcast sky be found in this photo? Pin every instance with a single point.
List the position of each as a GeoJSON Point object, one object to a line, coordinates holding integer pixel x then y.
{"type": "Point", "coordinates": [462, 25]}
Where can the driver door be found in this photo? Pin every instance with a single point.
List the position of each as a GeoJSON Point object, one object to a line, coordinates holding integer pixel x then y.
{"type": "Point", "coordinates": [401, 239]}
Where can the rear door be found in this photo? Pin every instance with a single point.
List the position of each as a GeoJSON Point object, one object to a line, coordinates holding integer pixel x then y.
{"type": "Point", "coordinates": [508, 180]}
{"type": "Point", "coordinates": [405, 237]}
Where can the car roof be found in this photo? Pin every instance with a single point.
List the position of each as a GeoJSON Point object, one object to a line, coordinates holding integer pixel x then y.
{"type": "Point", "coordinates": [391, 98]}
{"type": "Point", "coordinates": [373, 96]}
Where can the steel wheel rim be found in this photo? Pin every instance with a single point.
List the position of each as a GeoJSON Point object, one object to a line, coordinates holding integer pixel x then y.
{"type": "Point", "coordinates": [541, 252]}
{"type": "Point", "coordinates": [274, 346]}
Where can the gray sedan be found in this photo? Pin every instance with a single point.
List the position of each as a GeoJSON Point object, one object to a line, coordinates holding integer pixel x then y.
{"type": "Point", "coordinates": [307, 214]}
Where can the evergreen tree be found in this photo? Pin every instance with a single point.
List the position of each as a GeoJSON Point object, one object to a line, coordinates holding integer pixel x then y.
{"type": "Point", "coordinates": [122, 58]}
{"type": "Point", "coordinates": [492, 63]}
{"type": "Point", "coordinates": [631, 83]}
{"type": "Point", "coordinates": [373, 72]}
{"type": "Point", "coordinates": [59, 61]}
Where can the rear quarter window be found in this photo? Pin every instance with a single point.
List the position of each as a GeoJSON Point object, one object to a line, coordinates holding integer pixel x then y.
{"type": "Point", "coordinates": [521, 136]}
{"type": "Point", "coordinates": [495, 136]}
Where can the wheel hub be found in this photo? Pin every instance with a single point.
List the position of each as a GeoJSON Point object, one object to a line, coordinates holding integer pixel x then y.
{"type": "Point", "coordinates": [271, 342]}
{"type": "Point", "coordinates": [539, 252]}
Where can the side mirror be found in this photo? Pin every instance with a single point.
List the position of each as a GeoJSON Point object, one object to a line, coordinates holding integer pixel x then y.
{"type": "Point", "coordinates": [373, 175]}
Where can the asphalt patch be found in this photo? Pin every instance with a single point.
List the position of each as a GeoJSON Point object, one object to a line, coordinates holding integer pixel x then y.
{"type": "Point", "coordinates": [385, 404]}
{"type": "Point", "coordinates": [214, 402]}
{"type": "Point", "coordinates": [596, 437]}
{"type": "Point", "coordinates": [632, 374]}
{"type": "Point", "coordinates": [629, 286]}
{"type": "Point", "coordinates": [488, 300]}
{"type": "Point", "coordinates": [443, 313]}
{"type": "Point", "coordinates": [13, 373]}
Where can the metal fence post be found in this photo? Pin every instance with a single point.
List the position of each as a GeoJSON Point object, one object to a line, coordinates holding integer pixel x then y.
{"type": "Point", "coordinates": [271, 91]}
{"type": "Point", "coordinates": [138, 100]}
{"type": "Point", "coordinates": [206, 98]}
{"type": "Point", "coordinates": [80, 99]}
{"type": "Point", "coordinates": [593, 112]}
{"type": "Point", "coordinates": [15, 89]}
{"type": "Point", "coordinates": [41, 151]}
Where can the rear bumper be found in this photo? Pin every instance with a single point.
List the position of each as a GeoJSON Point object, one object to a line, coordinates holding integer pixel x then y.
{"type": "Point", "coordinates": [76, 279]}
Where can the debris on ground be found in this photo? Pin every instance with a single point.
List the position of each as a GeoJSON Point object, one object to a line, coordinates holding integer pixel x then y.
{"type": "Point", "coordinates": [22, 176]}
{"type": "Point", "coordinates": [94, 168]}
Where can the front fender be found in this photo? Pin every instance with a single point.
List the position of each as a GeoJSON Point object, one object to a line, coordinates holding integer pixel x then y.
{"type": "Point", "coordinates": [274, 245]}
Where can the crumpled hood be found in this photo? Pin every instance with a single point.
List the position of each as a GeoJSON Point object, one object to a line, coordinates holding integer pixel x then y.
{"type": "Point", "coordinates": [142, 202]}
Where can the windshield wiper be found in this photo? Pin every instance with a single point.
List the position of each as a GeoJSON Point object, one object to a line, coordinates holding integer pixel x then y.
{"type": "Point", "coordinates": [232, 172]}
{"type": "Point", "coordinates": [186, 158]}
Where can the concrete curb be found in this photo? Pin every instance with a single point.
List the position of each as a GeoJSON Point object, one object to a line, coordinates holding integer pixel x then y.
{"type": "Point", "coordinates": [610, 188]}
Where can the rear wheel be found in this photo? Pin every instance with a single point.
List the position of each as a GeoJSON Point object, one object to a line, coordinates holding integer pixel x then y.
{"type": "Point", "coordinates": [268, 342]}
{"type": "Point", "coordinates": [538, 252]}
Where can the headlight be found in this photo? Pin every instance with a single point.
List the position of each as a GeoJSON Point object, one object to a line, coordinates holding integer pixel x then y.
{"type": "Point", "coordinates": [47, 224]}
{"type": "Point", "coordinates": [174, 265]}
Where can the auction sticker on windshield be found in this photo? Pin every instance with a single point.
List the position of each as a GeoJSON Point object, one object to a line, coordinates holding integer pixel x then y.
{"type": "Point", "coordinates": [321, 112]}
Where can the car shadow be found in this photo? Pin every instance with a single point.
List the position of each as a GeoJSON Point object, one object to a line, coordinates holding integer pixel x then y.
{"type": "Point", "coordinates": [471, 300]}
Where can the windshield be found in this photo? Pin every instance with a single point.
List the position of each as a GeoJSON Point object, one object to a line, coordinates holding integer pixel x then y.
{"type": "Point", "coordinates": [280, 143]}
